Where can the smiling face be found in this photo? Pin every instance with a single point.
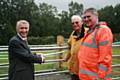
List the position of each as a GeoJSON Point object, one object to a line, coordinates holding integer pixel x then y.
{"type": "Point", "coordinates": [90, 18]}
{"type": "Point", "coordinates": [23, 29]}
{"type": "Point", "coordinates": [76, 23]}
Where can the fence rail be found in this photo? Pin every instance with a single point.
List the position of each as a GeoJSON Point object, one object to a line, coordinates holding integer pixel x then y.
{"type": "Point", "coordinates": [43, 47]}
{"type": "Point", "coordinates": [51, 71]}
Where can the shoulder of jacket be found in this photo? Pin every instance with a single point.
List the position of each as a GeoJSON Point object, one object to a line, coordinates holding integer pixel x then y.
{"type": "Point", "coordinates": [72, 33]}
{"type": "Point", "coordinates": [70, 38]}
{"type": "Point", "coordinates": [103, 26]}
{"type": "Point", "coordinates": [15, 39]}
{"type": "Point", "coordinates": [103, 29]}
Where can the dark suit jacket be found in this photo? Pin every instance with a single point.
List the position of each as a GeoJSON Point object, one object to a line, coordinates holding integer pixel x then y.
{"type": "Point", "coordinates": [21, 60]}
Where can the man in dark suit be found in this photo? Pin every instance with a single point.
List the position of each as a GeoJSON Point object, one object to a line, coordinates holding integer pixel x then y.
{"type": "Point", "coordinates": [21, 59]}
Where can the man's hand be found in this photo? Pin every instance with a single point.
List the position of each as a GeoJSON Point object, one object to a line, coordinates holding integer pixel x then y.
{"type": "Point", "coordinates": [40, 55]}
{"type": "Point", "coordinates": [43, 58]}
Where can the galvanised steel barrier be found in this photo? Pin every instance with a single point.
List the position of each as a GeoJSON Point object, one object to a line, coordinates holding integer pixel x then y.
{"type": "Point", "coordinates": [39, 49]}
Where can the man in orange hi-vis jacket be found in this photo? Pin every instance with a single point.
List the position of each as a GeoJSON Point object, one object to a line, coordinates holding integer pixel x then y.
{"type": "Point", "coordinates": [95, 54]}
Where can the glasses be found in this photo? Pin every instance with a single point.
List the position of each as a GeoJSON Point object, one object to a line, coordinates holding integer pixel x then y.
{"type": "Point", "coordinates": [86, 17]}
{"type": "Point", "coordinates": [75, 23]}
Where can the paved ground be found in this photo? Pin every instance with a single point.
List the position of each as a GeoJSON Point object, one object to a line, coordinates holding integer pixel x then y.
{"type": "Point", "coordinates": [62, 76]}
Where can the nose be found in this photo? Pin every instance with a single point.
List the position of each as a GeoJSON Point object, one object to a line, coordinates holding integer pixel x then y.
{"type": "Point", "coordinates": [85, 19]}
{"type": "Point", "coordinates": [24, 30]}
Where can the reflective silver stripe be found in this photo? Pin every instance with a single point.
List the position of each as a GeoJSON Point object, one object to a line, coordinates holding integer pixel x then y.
{"type": "Point", "coordinates": [88, 73]}
{"type": "Point", "coordinates": [103, 43]}
{"type": "Point", "coordinates": [93, 45]}
{"type": "Point", "coordinates": [108, 76]}
{"type": "Point", "coordinates": [102, 67]}
{"type": "Point", "coordinates": [94, 74]}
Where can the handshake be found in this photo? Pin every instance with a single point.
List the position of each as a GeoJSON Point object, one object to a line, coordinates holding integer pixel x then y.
{"type": "Point", "coordinates": [41, 57]}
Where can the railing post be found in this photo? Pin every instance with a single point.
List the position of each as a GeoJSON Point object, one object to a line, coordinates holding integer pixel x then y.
{"type": "Point", "coordinates": [60, 42]}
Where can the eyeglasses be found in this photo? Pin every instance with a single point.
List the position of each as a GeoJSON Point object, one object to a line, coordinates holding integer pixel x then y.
{"type": "Point", "coordinates": [75, 23]}
{"type": "Point", "coordinates": [86, 17]}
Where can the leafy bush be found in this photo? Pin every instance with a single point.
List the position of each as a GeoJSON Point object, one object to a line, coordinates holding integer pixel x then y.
{"type": "Point", "coordinates": [41, 40]}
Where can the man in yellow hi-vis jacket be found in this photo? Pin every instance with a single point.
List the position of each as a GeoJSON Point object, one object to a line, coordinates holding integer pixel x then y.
{"type": "Point", "coordinates": [74, 45]}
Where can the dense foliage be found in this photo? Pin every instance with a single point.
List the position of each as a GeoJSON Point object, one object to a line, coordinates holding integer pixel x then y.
{"type": "Point", "coordinates": [45, 20]}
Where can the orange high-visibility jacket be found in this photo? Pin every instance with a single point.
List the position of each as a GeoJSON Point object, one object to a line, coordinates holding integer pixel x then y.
{"type": "Point", "coordinates": [95, 54]}
{"type": "Point", "coordinates": [72, 54]}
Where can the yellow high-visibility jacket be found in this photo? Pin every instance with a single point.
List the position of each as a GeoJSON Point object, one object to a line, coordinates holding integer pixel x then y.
{"type": "Point", "coordinates": [74, 45]}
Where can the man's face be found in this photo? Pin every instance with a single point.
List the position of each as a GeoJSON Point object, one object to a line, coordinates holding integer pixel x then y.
{"type": "Point", "coordinates": [90, 19]}
{"type": "Point", "coordinates": [76, 24]}
{"type": "Point", "coordinates": [23, 30]}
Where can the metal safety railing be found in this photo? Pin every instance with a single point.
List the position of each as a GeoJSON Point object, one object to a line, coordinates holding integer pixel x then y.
{"type": "Point", "coordinates": [60, 50]}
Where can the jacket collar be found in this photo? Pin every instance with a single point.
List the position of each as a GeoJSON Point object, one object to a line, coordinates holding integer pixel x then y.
{"type": "Point", "coordinates": [24, 39]}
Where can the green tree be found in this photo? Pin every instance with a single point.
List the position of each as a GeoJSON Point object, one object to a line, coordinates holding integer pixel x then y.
{"type": "Point", "coordinates": [111, 15]}
{"type": "Point", "coordinates": [6, 29]}
{"type": "Point", "coordinates": [116, 20]}
{"type": "Point", "coordinates": [47, 19]}
{"type": "Point", "coordinates": [75, 8]}
{"type": "Point", "coordinates": [65, 24]}
{"type": "Point", "coordinates": [10, 12]}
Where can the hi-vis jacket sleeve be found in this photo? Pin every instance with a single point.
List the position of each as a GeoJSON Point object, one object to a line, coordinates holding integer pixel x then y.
{"type": "Point", "coordinates": [69, 50]}
{"type": "Point", "coordinates": [104, 38]}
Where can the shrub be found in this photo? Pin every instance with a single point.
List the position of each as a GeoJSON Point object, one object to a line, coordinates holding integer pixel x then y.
{"type": "Point", "coordinates": [41, 40]}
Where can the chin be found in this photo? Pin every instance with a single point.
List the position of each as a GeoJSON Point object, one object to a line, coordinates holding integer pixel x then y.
{"type": "Point", "coordinates": [88, 25]}
{"type": "Point", "coordinates": [24, 36]}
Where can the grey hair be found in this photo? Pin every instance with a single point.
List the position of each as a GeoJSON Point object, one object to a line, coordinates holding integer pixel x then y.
{"type": "Point", "coordinates": [21, 22]}
{"type": "Point", "coordinates": [91, 10]}
{"type": "Point", "coordinates": [76, 16]}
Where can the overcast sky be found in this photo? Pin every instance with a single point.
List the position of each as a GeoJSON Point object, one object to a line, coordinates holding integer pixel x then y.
{"type": "Point", "coordinates": [63, 4]}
